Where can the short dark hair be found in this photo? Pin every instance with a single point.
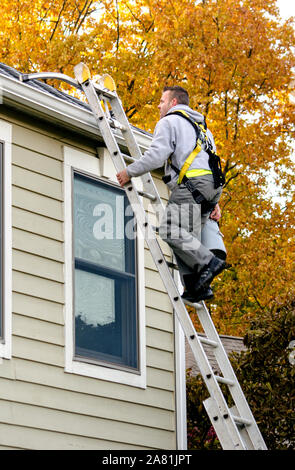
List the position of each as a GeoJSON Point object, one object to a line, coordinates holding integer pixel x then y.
{"type": "Point", "coordinates": [179, 93]}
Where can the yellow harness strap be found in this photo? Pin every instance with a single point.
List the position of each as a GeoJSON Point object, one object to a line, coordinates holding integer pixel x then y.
{"type": "Point", "coordinates": [192, 156]}
{"type": "Point", "coordinates": [188, 162]}
{"type": "Point", "coordinates": [197, 172]}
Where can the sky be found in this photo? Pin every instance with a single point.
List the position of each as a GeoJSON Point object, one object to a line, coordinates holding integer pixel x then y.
{"type": "Point", "coordinates": [287, 8]}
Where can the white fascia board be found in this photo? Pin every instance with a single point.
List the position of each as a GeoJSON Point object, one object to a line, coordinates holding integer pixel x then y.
{"type": "Point", "coordinates": [40, 104]}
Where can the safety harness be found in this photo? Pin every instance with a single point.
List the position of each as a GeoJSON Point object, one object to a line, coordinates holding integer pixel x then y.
{"type": "Point", "coordinates": [214, 160]}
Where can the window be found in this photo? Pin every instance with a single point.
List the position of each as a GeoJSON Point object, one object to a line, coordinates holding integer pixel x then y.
{"type": "Point", "coordinates": [105, 278]}
{"type": "Point", "coordinates": [105, 330]}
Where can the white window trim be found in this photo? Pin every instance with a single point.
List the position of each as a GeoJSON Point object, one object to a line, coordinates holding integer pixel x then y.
{"type": "Point", "coordinates": [6, 137]}
{"type": "Point", "coordinates": [102, 168]}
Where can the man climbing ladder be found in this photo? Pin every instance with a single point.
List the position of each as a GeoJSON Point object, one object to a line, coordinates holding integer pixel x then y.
{"type": "Point", "coordinates": [194, 195]}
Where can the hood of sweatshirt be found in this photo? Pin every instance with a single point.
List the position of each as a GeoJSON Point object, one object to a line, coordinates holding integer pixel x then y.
{"type": "Point", "coordinates": [198, 117]}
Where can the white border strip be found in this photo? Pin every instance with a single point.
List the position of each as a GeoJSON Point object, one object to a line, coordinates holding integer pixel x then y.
{"type": "Point", "coordinates": [6, 137]}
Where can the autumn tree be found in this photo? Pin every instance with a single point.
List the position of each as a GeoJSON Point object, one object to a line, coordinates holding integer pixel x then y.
{"type": "Point", "coordinates": [41, 35]}
{"type": "Point", "coordinates": [236, 60]}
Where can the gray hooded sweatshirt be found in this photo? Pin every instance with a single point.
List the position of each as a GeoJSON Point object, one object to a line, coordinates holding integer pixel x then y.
{"type": "Point", "coordinates": [173, 137]}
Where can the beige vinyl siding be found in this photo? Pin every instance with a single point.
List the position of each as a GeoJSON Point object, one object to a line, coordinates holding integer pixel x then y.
{"type": "Point", "coordinates": [42, 406]}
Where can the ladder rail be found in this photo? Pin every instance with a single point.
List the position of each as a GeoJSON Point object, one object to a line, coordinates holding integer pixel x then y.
{"type": "Point", "coordinates": [50, 76]}
{"type": "Point", "coordinates": [25, 77]}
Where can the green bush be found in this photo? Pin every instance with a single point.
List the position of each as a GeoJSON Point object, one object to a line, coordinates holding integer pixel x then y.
{"type": "Point", "coordinates": [266, 375]}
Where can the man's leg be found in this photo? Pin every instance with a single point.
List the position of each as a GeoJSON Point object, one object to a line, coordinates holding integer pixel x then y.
{"type": "Point", "coordinates": [181, 229]}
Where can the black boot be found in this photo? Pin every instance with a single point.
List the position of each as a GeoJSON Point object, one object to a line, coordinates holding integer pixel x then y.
{"type": "Point", "coordinates": [189, 282]}
{"type": "Point", "coordinates": [205, 293]}
{"type": "Point", "coordinates": [206, 275]}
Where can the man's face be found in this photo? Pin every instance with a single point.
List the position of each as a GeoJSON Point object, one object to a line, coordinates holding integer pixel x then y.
{"type": "Point", "coordinates": [166, 103]}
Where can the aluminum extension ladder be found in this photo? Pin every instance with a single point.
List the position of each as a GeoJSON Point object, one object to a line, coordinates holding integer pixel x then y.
{"type": "Point", "coordinates": [235, 427]}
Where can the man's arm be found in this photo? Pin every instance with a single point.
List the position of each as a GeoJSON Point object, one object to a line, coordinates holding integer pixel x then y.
{"type": "Point", "coordinates": [160, 149]}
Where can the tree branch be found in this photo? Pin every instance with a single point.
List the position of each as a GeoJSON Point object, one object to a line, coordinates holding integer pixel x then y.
{"type": "Point", "coordinates": [79, 22]}
{"type": "Point", "coordinates": [237, 118]}
{"type": "Point", "coordinates": [227, 168]}
{"type": "Point", "coordinates": [146, 29]}
{"type": "Point", "coordinates": [259, 304]}
{"type": "Point", "coordinates": [58, 20]}
{"type": "Point", "coordinates": [225, 114]}
{"type": "Point", "coordinates": [118, 26]}
{"type": "Point", "coordinates": [232, 177]}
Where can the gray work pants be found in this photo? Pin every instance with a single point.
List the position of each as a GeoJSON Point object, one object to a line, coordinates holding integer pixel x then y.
{"type": "Point", "coordinates": [182, 223]}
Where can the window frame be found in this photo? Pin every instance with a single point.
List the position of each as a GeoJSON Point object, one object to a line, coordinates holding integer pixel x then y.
{"type": "Point", "coordinates": [91, 167]}
{"type": "Point", "coordinates": [6, 242]}
{"type": "Point", "coordinates": [108, 272]}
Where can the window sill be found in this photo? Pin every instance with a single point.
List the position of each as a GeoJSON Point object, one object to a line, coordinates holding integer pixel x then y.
{"type": "Point", "coordinates": [105, 373]}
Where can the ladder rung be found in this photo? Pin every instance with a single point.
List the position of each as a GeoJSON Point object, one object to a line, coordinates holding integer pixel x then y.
{"type": "Point", "coordinates": [223, 380]}
{"type": "Point", "coordinates": [147, 195]}
{"type": "Point", "coordinates": [128, 158]}
{"type": "Point", "coordinates": [192, 304]}
{"type": "Point", "coordinates": [172, 265]}
{"type": "Point", "coordinates": [240, 420]}
{"type": "Point", "coordinates": [207, 341]}
{"type": "Point", "coordinates": [116, 124]}
{"type": "Point", "coordinates": [103, 91]}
